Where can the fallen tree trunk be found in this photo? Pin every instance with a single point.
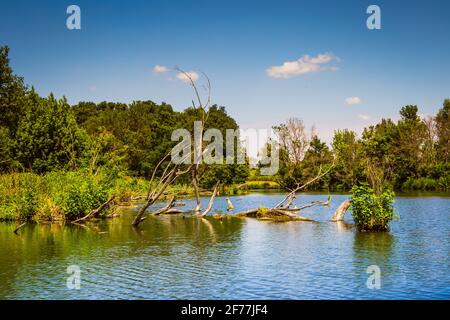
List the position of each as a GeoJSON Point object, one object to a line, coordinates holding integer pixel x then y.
{"type": "Point", "coordinates": [271, 214]}
{"type": "Point", "coordinates": [169, 206]}
{"type": "Point", "coordinates": [19, 227]}
{"type": "Point", "coordinates": [230, 206]}
{"type": "Point", "coordinates": [197, 195]}
{"type": "Point", "coordinates": [211, 201]}
{"type": "Point", "coordinates": [134, 198]}
{"type": "Point", "coordinates": [288, 202]}
{"type": "Point", "coordinates": [340, 211]}
{"type": "Point", "coordinates": [96, 212]}
{"type": "Point", "coordinates": [293, 192]}
{"type": "Point", "coordinates": [173, 211]}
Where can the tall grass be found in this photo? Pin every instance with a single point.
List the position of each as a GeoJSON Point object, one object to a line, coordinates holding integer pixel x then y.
{"type": "Point", "coordinates": [55, 196]}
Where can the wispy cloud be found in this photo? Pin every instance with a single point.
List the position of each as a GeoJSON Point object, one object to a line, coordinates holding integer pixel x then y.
{"type": "Point", "coordinates": [184, 76]}
{"type": "Point", "coordinates": [160, 69]}
{"type": "Point", "coordinates": [304, 65]}
{"type": "Point", "coordinates": [350, 101]}
{"type": "Point", "coordinates": [363, 117]}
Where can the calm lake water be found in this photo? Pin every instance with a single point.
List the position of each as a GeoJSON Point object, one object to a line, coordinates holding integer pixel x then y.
{"type": "Point", "coordinates": [194, 258]}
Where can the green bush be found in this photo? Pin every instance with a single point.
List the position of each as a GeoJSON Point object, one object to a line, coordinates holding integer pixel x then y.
{"type": "Point", "coordinates": [54, 196]}
{"type": "Point", "coordinates": [81, 198]}
{"type": "Point", "coordinates": [372, 212]}
{"type": "Point", "coordinates": [27, 204]}
{"type": "Point", "coordinates": [8, 213]}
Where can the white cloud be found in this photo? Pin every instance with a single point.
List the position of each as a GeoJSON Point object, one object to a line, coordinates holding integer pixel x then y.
{"type": "Point", "coordinates": [350, 101]}
{"type": "Point", "coordinates": [160, 69]}
{"type": "Point", "coordinates": [184, 76]}
{"type": "Point", "coordinates": [304, 65]}
{"type": "Point", "coordinates": [363, 117]}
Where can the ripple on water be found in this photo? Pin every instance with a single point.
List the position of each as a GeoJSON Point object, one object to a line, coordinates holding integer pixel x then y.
{"type": "Point", "coordinates": [176, 258]}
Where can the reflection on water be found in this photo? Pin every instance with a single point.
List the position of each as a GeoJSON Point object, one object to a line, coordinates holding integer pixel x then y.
{"type": "Point", "coordinates": [176, 257]}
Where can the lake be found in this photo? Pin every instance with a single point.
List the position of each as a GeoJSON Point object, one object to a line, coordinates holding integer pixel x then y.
{"type": "Point", "coordinates": [176, 257]}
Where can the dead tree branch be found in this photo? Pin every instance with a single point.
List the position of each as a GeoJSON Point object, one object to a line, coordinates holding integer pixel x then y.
{"type": "Point", "coordinates": [96, 212]}
{"type": "Point", "coordinates": [293, 192]}
{"type": "Point", "coordinates": [340, 211]}
{"type": "Point", "coordinates": [211, 201]}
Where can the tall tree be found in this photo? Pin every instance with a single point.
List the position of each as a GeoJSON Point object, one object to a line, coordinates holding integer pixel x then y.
{"type": "Point", "coordinates": [48, 137]}
{"type": "Point", "coordinates": [12, 90]}
{"type": "Point", "coordinates": [348, 169]}
{"type": "Point", "coordinates": [442, 121]}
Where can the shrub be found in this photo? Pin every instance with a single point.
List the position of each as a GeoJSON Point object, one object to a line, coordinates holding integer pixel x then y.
{"type": "Point", "coordinates": [8, 213]}
{"type": "Point", "coordinates": [372, 212]}
{"type": "Point", "coordinates": [423, 184]}
{"type": "Point", "coordinates": [47, 210]}
{"type": "Point", "coordinates": [81, 198]}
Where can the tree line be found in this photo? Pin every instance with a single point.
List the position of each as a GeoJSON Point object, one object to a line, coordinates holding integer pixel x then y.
{"type": "Point", "coordinates": [44, 134]}
{"type": "Point", "coordinates": [410, 154]}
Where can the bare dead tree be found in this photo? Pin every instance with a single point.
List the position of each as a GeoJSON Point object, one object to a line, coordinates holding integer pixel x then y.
{"type": "Point", "coordinates": [196, 191]}
{"type": "Point", "coordinates": [340, 211]}
{"type": "Point", "coordinates": [300, 187]}
{"type": "Point", "coordinates": [211, 200]}
{"type": "Point", "coordinates": [94, 213]}
{"type": "Point", "coordinates": [173, 171]}
{"type": "Point", "coordinates": [293, 138]}
{"type": "Point", "coordinates": [282, 209]}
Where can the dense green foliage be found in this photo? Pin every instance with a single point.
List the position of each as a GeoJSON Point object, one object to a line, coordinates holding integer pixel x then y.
{"type": "Point", "coordinates": [61, 195]}
{"type": "Point", "coordinates": [372, 211]}
{"type": "Point", "coordinates": [59, 160]}
{"type": "Point", "coordinates": [45, 134]}
{"type": "Point", "coordinates": [72, 158]}
{"type": "Point", "coordinates": [410, 154]}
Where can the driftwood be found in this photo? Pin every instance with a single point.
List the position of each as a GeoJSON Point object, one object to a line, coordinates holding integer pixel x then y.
{"type": "Point", "coordinates": [283, 208]}
{"type": "Point", "coordinates": [179, 204]}
{"type": "Point", "coordinates": [167, 208]}
{"type": "Point", "coordinates": [230, 206]}
{"type": "Point", "coordinates": [134, 198]}
{"type": "Point", "coordinates": [96, 212]}
{"type": "Point", "coordinates": [168, 177]}
{"type": "Point", "coordinates": [281, 204]}
{"type": "Point", "coordinates": [197, 195]}
{"type": "Point", "coordinates": [211, 201]}
{"type": "Point", "coordinates": [283, 212]}
{"type": "Point", "coordinates": [271, 214]}
{"type": "Point", "coordinates": [288, 202]}
{"type": "Point", "coordinates": [172, 170]}
{"type": "Point", "coordinates": [340, 211]}
{"type": "Point", "coordinates": [173, 211]}
{"type": "Point", "coordinates": [19, 227]}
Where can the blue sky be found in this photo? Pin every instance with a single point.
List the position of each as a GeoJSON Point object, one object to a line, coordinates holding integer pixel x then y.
{"type": "Point", "coordinates": [235, 43]}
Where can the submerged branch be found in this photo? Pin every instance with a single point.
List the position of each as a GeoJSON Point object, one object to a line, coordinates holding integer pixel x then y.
{"type": "Point", "coordinates": [96, 212]}
{"type": "Point", "coordinates": [211, 201]}
{"type": "Point", "coordinates": [340, 211]}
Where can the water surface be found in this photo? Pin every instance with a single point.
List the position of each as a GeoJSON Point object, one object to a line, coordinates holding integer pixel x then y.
{"type": "Point", "coordinates": [193, 258]}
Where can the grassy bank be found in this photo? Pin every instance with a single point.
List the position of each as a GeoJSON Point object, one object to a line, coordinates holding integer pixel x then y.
{"type": "Point", "coordinates": [59, 196]}
{"type": "Point", "coordinates": [69, 195]}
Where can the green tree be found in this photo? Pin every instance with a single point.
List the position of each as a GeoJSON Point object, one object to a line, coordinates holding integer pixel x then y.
{"type": "Point", "coordinates": [12, 91]}
{"type": "Point", "coordinates": [317, 156]}
{"type": "Point", "coordinates": [379, 152]}
{"type": "Point", "coordinates": [442, 122]}
{"type": "Point", "coordinates": [48, 137]}
{"type": "Point", "coordinates": [348, 168]}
